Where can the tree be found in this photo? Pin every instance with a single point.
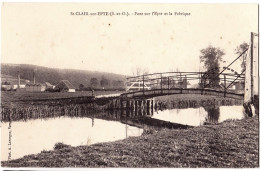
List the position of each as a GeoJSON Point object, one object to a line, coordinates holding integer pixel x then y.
{"type": "Point", "coordinates": [185, 82]}
{"type": "Point", "coordinates": [93, 82]}
{"type": "Point", "coordinates": [104, 82]}
{"type": "Point", "coordinates": [239, 50]}
{"type": "Point", "coordinates": [117, 84]}
{"type": "Point", "coordinates": [81, 87]}
{"type": "Point", "coordinates": [211, 57]}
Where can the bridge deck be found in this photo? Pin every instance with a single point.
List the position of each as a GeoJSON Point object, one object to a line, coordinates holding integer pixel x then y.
{"type": "Point", "coordinates": [162, 92]}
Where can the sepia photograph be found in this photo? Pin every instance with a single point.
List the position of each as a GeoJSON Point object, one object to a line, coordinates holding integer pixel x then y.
{"type": "Point", "coordinates": [129, 85]}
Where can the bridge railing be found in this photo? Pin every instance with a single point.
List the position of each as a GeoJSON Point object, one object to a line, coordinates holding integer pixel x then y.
{"type": "Point", "coordinates": [171, 80]}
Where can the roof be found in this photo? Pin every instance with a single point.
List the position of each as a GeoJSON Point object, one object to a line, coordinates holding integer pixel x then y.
{"type": "Point", "coordinates": [31, 84]}
{"type": "Point", "coordinates": [48, 84]}
{"type": "Point", "coordinates": [65, 84]}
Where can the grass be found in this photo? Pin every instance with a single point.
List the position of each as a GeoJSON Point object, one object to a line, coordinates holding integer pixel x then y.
{"type": "Point", "coordinates": [192, 97]}
{"type": "Point", "coordinates": [230, 144]}
{"type": "Point", "coordinates": [13, 98]}
{"type": "Point", "coordinates": [10, 99]}
{"type": "Point", "coordinates": [194, 101]}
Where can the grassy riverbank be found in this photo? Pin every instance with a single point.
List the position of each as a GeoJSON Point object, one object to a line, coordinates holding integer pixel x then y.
{"type": "Point", "coordinates": [228, 144]}
{"type": "Point", "coordinates": [16, 99]}
{"type": "Point", "coordinates": [195, 101]}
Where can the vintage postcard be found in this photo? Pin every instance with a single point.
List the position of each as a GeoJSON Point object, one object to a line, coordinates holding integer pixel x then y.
{"type": "Point", "coordinates": [113, 85]}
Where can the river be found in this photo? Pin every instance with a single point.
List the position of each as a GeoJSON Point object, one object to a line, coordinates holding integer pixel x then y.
{"type": "Point", "coordinates": [20, 138]}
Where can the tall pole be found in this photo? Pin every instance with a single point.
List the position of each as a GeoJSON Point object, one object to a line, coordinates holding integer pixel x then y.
{"type": "Point", "coordinates": [19, 81]}
{"type": "Point", "coordinates": [251, 63]}
{"type": "Point", "coordinates": [126, 84]}
{"type": "Point", "coordinates": [225, 85]}
{"type": "Point", "coordinates": [168, 83]}
{"type": "Point", "coordinates": [251, 77]}
{"type": "Point", "coordinates": [143, 84]}
{"type": "Point", "coordinates": [161, 84]}
{"type": "Point", "coordinates": [33, 77]}
{"type": "Point", "coordinates": [126, 126]}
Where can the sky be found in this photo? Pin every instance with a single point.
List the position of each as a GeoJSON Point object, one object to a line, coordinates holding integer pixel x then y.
{"type": "Point", "coordinates": [46, 34]}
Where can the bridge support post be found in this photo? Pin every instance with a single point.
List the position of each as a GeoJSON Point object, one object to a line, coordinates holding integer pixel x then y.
{"type": "Point", "coordinates": [152, 106]}
{"type": "Point", "coordinates": [140, 106]}
{"type": "Point", "coordinates": [127, 104]}
{"type": "Point", "coordinates": [133, 105]}
{"type": "Point", "coordinates": [121, 104]}
{"type": "Point", "coordinates": [148, 106]}
{"type": "Point", "coordinates": [136, 107]}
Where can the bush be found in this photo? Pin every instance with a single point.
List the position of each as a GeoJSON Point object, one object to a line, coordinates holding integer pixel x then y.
{"type": "Point", "coordinates": [60, 145]}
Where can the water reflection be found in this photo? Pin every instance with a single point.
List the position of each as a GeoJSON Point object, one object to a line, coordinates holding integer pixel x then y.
{"type": "Point", "coordinates": [213, 114]}
{"type": "Point", "coordinates": [33, 136]}
{"type": "Point", "coordinates": [202, 115]}
{"type": "Point", "coordinates": [191, 116]}
{"type": "Point", "coordinates": [178, 118]}
{"type": "Point", "coordinates": [231, 112]}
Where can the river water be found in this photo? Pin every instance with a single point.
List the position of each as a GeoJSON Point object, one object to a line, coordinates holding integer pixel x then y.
{"type": "Point", "coordinates": [200, 116]}
{"type": "Point", "coordinates": [20, 138]}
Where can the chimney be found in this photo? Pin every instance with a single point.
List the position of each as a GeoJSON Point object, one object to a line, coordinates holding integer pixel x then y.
{"type": "Point", "coordinates": [33, 78]}
{"type": "Point", "coordinates": [18, 75]}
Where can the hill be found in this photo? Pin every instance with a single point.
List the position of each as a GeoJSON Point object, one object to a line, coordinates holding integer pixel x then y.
{"type": "Point", "coordinates": [86, 78]}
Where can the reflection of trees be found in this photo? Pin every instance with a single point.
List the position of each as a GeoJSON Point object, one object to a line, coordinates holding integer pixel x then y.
{"type": "Point", "coordinates": [213, 113]}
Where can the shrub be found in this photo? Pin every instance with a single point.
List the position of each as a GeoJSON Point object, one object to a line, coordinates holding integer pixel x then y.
{"type": "Point", "coordinates": [60, 145]}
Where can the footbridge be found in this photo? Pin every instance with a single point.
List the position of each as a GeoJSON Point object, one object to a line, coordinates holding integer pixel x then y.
{"type": "Point", "coordinates": [223, 82]}
{"type": "Point", "coordinates": [197, 83]}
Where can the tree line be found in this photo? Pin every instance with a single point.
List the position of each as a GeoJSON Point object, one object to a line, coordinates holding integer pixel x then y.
{"type": "Point", "coordinates": [103, 84]}
{"type": "Point", "coordinates": [212, 57]}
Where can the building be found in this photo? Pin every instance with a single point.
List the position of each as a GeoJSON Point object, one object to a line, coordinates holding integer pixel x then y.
{"type": "Point", "coordinates": [6, 86]}
{"type": "Point", "coordinates": [30, 87]}
{"type": "Point", "coordinates": [65, 86]}
{"type": "Point", "coordinates": [49, 85]}
{"type": "Point", "coordinates": [18, 84]}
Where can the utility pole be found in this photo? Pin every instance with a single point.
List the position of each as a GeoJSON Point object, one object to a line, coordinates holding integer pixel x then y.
{"type": "Point", "coordinates": [251, 76]}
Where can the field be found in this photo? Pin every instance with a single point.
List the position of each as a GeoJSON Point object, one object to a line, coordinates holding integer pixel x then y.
{"type": "Point", "coordinates": [13, 98]}
{"type": "Point", "coordinates": [231, 144]}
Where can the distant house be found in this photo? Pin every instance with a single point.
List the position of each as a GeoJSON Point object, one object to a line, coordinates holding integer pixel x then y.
{"type": "Point", "coordinates": [49, 85]}
{"type": "Point", "coordinates": [30, 87]}
{"type": "Point", "coordinates": [6, 86]}
{"type": "Point", "coordinates": [65, 86]}
{"type": "Point", "coordinates": [15, 84]}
